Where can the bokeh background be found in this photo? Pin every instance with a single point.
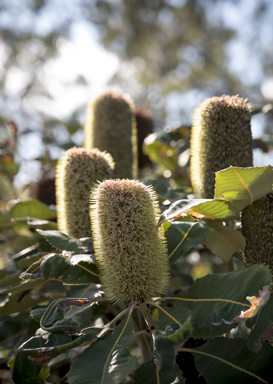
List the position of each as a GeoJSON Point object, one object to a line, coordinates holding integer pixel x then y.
{"type": "Point", "coordinates": [169, 55]}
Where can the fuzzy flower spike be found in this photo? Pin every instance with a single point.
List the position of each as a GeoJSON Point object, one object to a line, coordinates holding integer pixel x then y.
{"type": "Point", "coordinates": [131, 253]}
{"type": "Point", "coordinates": [110, 126]}
{"type": "Point", "coordinates": [221, 137]}
{"type": "Point", "coordinates": [77, 171]}
{"type": "Point", "coordinates": [257, 228]}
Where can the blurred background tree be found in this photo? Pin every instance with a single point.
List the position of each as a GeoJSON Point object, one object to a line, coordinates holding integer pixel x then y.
{"type": "Point", "coordinates": [168, 54]}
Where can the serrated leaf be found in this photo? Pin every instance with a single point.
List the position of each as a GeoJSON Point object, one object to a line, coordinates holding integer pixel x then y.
{"type": "Point", "coordinates": [24, 286]}
{"type": "Point", "coordinates": [257, 303]}
{"type": "Point", "coordinates": [55, 267]}
{"type": "Point", "coordinates": [230, 361]}
{"type": "Point", "coordinates": [106, 361]}
{"type": "Point", "coordinates": [13, 304]}
{"type": "Point", "coordinates": [200, 209]}
{"type": "Point", "coordinates": [168, 319]}
{"type": "Point", "coordinates": [243, 186]}
{"type": "Point", "coordinates": [30, 364]}
{"type": "Point", "coordinates": [225, 241]}
{"type": "Point", "coordinates": [182, 236]}
{"type": "Point", "coordinates": [219, 298]}
{"type": "Point", "coordinates": [61, 241]}
{"type": "Point", "coordinates": [67, 315]}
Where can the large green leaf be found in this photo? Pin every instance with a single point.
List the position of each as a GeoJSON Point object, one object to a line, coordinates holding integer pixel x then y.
{"type": "Point", "coordinates": [214, 299]}
{"type": "Point", "coordinates": [30, 363]}
{"type": "Point", "coordinates": [56, 266]}
{"type": "Point", "coordinates": [205, 209]}
{"type": "Point", "coordinates": [106, 361]}
{"type": "Point", "coordinates": [228, 361]}
{"type": "Point", "coordinates": [163, 369]}
{"type": "Point", "coordinates": [67, 315]}
{"type": "Point", "coordinates": [169, 319]}
{"type": "Point", "coordinates": [24, 286]}
{"type": "Point", "coordinates": [25, 209]}
{"type": "Point", "coordinates": [182, 236]}
{"type": "Point", "coordinates": [225, 241]}
{"type": "Point", "coordinates": [15, 303]}
{"type": "Point", "coordinates": [63, 242]}
{"type": "Point", "coordinates": [150, 374]}
{"type": "Point", "coordinates": [243, 186]}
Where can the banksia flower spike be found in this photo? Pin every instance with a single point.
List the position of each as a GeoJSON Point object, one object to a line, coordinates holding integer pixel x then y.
{"type": "Point", "coordinates": [131, 253]}
{"type": "Point", "coordinates": [110, 126]}
{"type": "Point", "coordinates": [221, 137]}
{"type": "Point", "coordinates": [257, 228]}
{"type": "Point", "coordinates": [77, 171]}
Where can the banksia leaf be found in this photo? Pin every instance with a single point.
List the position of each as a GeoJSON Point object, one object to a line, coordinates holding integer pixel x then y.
{"type": "Point", "coordinates": [77, 171]}
{"type": "Point", "coordinates": [110, 126]}
{"type": "Point", "coordinates": [132, 254]}
{"type": "Point", "coordinates": [257, 227]}
{"type": "Point", "coordinates": [221, 137]}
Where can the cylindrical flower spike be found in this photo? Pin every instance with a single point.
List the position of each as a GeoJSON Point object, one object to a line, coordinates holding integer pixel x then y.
{"type": "Point", "coordinates": [110, 126]}
{"type": "Point", "coordinates": [78, 169]}
{"type": "Point", "coordinates": [257, 228]}
{"type": "Point", "coordinates": [131, 253]}
{"type": "Point", "coordinates": [221, 137]}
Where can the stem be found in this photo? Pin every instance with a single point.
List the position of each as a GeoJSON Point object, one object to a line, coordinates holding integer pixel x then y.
{"type": "Point", "coordinates": [142, 336]}
{"type": "Point", "coordinates": [105, 328]}
{"type": "Point", "coordinates": [149, 320]}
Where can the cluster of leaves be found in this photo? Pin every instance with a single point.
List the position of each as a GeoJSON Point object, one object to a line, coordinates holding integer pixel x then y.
{"type": "Point", "coordinates": [223, 320]}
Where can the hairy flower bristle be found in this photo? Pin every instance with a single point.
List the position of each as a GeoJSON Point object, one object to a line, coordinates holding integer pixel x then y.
{"type": "Point", "coordinates": [76, 172]}
{"type": "Point", "coordinates": [110, 126]}
{"type": "Point", "coordinates": [131, 253]}
{"type": "Point", "coordinates": [257, 228]}
{"type": "Point", "coordinates": [221, 137]}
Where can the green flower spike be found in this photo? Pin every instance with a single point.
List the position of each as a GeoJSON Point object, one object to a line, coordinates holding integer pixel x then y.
{"type": "Point", "coordinates": [257, 228]}
{"type": "Point", "coordinates": [131, 253]}
{"type": "Point", "coordinates": [77, 171]}
{"type": "Point", "coordinates": [221, 137]}
{"type": "Point", "coordinates": [110, 126]}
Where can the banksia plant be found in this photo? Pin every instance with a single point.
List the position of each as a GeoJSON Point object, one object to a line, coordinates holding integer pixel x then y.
{"type": "Point", "coordinates": [257, 228]}
{"type": "Point", "coordinates": [221, 137]}
{"type": "Point", "coordinates": [110, 126]}
{"type": "Point", "coordinates": [131, 253]}
{"type": "Point", "coordinates": [77, 171]}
